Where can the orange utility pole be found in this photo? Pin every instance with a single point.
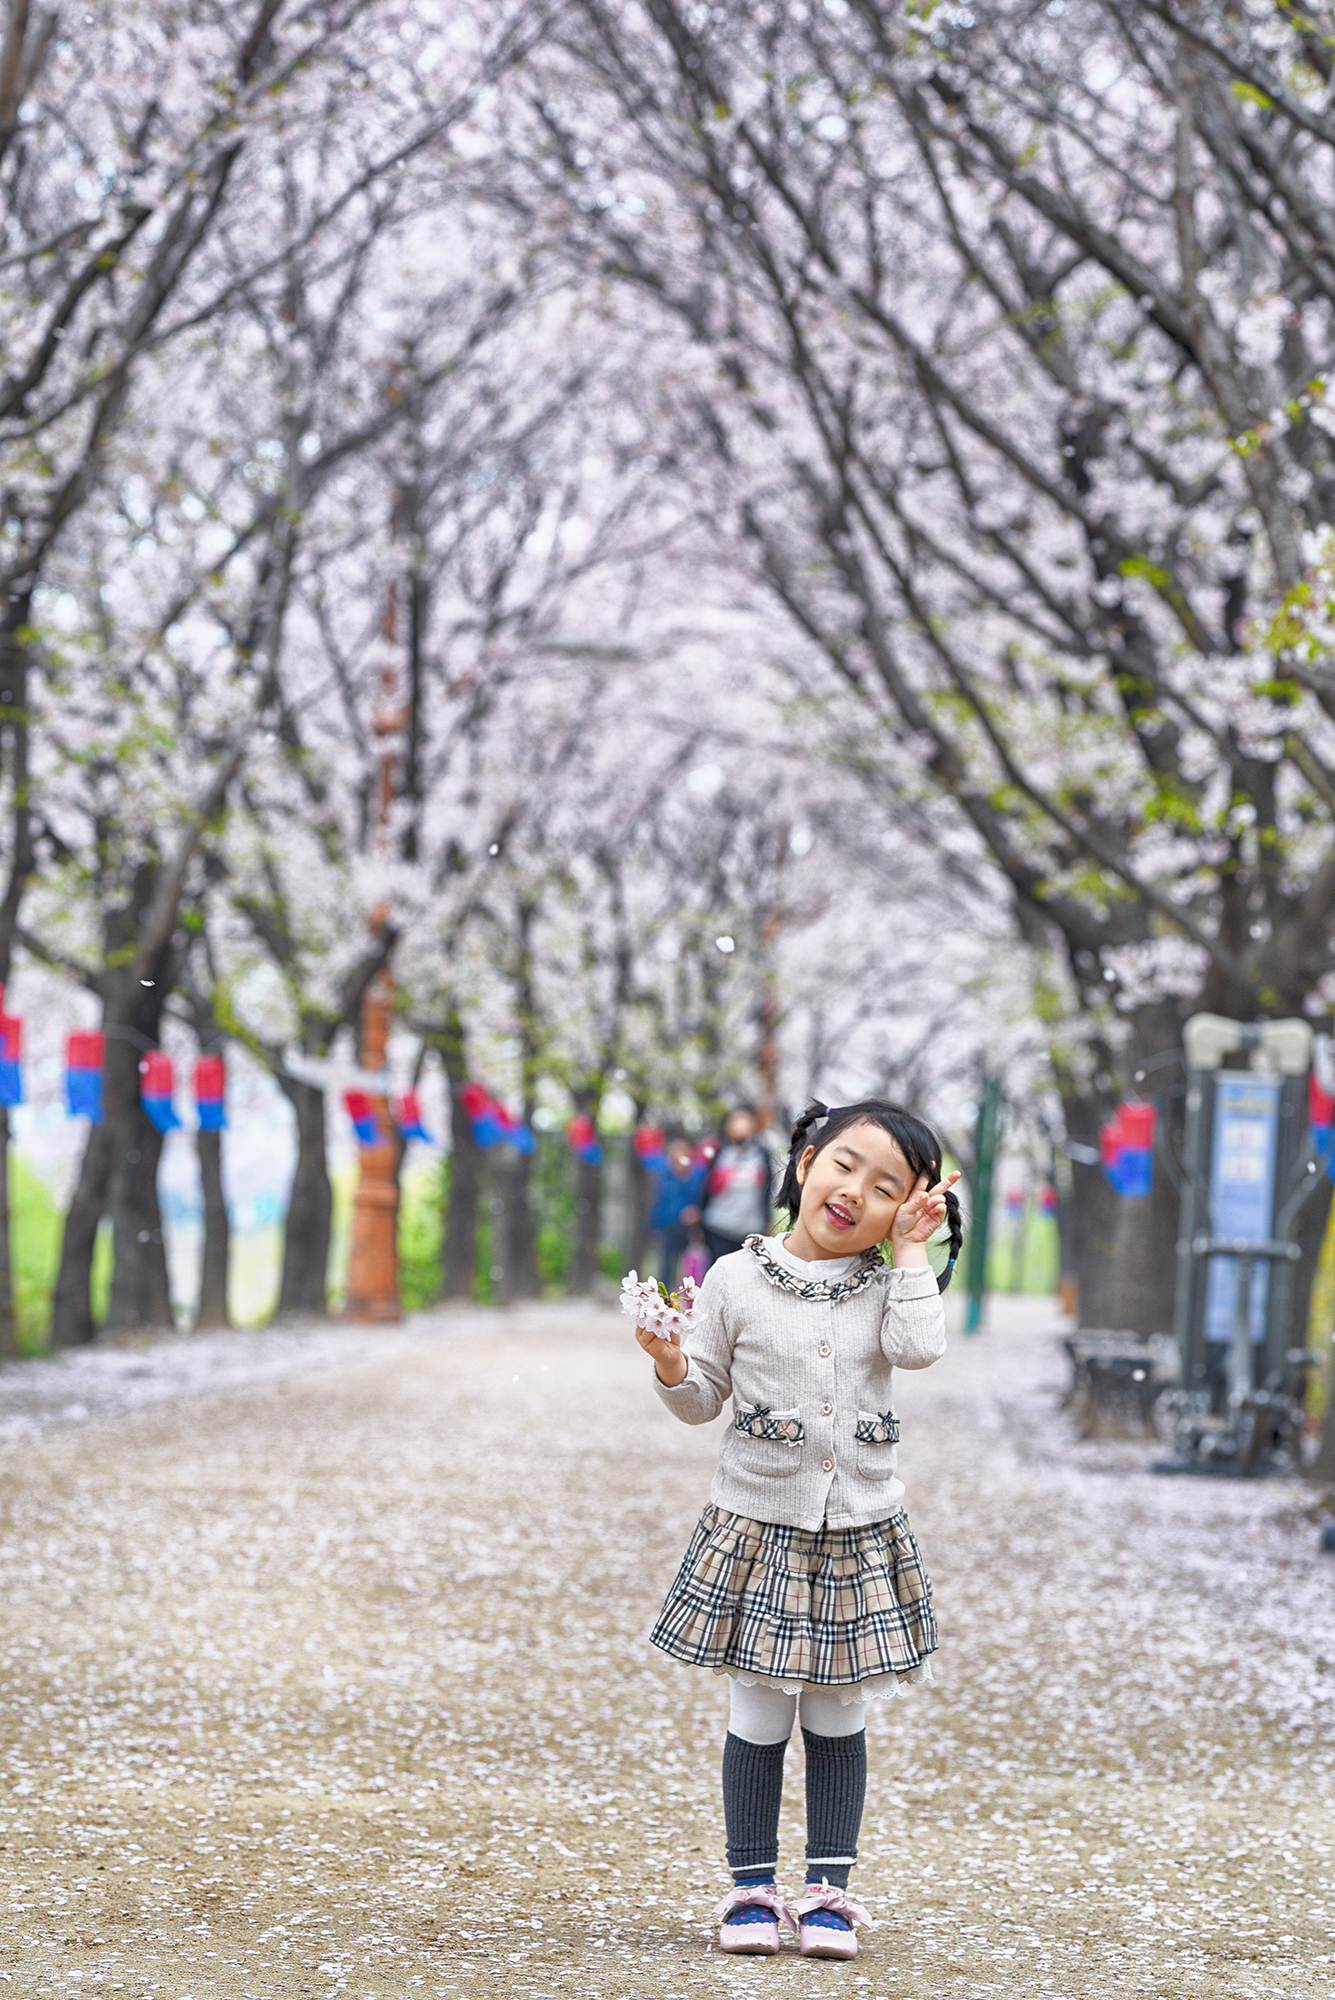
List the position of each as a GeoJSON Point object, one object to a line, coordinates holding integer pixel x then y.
{"type": "Point", "coordinates": [373, 1262]}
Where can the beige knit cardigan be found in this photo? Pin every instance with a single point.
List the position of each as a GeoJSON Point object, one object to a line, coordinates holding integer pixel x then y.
{"type": "Point", "coordinates": [813, 1441]}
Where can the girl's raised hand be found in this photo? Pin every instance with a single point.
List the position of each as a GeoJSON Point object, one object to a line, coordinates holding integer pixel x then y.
{"type": "Point", "coordinates": [922, 1214]}
{"type": "Point", "coordinates": [669, 1362]}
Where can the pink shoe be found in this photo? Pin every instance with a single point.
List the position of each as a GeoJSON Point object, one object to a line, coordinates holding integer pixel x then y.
{"type": "Point", "coordinates": [758, 1935]}
{"type": "Point", "coordinates": [826, 1940]}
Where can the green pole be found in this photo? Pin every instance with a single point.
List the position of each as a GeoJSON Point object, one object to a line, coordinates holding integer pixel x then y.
{"type": "Point", "coordinates": [986, 1143]}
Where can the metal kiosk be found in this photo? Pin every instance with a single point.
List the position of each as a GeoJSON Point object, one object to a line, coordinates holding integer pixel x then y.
{"type": "Point", "coordinates": [1249, 1167]}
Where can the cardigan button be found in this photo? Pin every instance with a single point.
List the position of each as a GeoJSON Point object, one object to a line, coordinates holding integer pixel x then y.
{"type": "Point", "coordinates": [827, 1409]}
{"type": "Point", "coordinates": [825, 1350]}
{"type": "Point", "coordinates": [827, 1465]}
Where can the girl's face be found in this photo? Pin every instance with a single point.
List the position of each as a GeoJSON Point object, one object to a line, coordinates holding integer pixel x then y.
{"type": "Point", "coordinates": [852, 1191]}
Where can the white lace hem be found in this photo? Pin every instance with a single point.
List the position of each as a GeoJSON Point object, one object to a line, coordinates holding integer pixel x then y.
{"type": "Point", "coordinates": [881, 1687]}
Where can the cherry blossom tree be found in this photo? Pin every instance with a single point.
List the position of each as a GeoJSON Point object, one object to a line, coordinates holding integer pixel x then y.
{"type": "Point", "coordinates": [160, 175]}
{"type": "Point", "coordinates": [1008, 332]}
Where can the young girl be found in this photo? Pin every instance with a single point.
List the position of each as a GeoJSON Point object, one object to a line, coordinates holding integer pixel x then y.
{"type": "Point", "coordinates": [803, 1582]}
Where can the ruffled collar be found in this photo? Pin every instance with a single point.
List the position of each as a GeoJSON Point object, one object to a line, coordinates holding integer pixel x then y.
{"type": "Point", "coordinates": [828, 1290]}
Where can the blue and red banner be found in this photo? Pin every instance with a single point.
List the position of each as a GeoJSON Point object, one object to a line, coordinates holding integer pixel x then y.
{"type": "Point", "coordinates": [583, 1136]}
{"type": "Point", "coordinates": [1126, 1144]}
{"type": "Point", "coordinates": [157, 1080]}
{"type": "Point", "coordinates": [648, 1144]}
{"type": "Point", "coordinates": [1321, 1117]}
{"type": "Point", "coordinates": [210, 1092]}
{"type": "Point", "coordinates": [492, 1124]}
{"type": "Point", "coordinates": [408, 1116]}
{"type": "Point", "coordinates": [85, 1054]}
{"type": "Point", "coordinates": [362, 1113]}
{"type": "Point", "coordinates": [11, 1058]}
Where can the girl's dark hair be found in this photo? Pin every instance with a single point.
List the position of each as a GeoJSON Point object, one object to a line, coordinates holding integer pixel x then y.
{"type": "Point", "coordinates": [916, 1141]}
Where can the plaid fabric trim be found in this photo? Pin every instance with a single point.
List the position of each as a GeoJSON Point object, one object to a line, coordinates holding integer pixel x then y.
{"type": "Point", "coordinates": [761, 1422]}
{"type": "Point", "coordinates": [882, 1429]}
{"type": "Point", "coordinates": [815, 1288]}
{"type": "Point", "coordinates": [831, 1606]}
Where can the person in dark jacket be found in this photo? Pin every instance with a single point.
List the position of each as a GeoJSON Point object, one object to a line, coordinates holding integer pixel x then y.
{"type": "Point", "coordinates": [738, 1199]}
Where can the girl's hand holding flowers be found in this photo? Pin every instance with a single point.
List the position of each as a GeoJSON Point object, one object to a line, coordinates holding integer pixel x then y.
{"type": "Point", "coordinates": [660, 1317]}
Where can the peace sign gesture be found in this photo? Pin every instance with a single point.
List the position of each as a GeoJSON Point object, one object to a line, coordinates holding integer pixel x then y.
{"type": "Point", "coordinates": [922, 1213]}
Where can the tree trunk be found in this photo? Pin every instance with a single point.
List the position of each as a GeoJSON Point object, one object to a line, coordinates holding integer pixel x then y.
{"type": "Point", "coordinates": [514, 1263]}
{"type": "Point", "coordinates": [1313, 1219]}
{"type": "Point", "coordinates": [462, 1203]}
{"type": "Point", "coordinates": [71, 1304]}
{"type": "Point", "coordinates": [1145, 1259]}
{"type": "Point", "coordinates": [215, 1254]}
{"type": "Point", "coordinates": [588, 1207]}
{"type": "Point", "coordinates": [459, 1248]}
{"type": "Point", "coordinates": [584, 1266]}
{"type": "Point", "coordinates": [1123, 1250]}
{"type": "Point", "coordinates": [15, 665]}
{"type": "Point", "coordinates": [120, 1162]}
{"type": "Point", "coordinates": [643, 1188]}
{"type": "Point", "coordinates": [522, 1245]}
{"type": "Point", "coordinates": [140, 1290]}
{"type": "Point", "coordinates": [9, 1332]}
{"type": "Point", "coordinates": [305, 1282]}
{"type": "Point", "coordinates": [217, 1235]}
{"type": "Point", "coordinates": [1093, 1245]}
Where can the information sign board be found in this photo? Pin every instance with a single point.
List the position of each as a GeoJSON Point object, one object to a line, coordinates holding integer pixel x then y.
{"type": "Point", "coordinates": [1242, 1193]}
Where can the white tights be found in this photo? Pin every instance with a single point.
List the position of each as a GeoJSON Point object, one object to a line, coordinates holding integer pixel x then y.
{"type": "Point", "coordinates": [764, 1715]}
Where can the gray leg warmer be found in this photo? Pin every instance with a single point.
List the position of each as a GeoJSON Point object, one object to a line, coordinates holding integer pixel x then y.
{"type": "Point", "coordinates": [836, 1790]}
{"type": "Point", "coordinates": [752, 1792]}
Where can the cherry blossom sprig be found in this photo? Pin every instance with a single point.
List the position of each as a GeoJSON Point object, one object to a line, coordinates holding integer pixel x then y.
{"type": "Point", "coordinates": [647, 1302]}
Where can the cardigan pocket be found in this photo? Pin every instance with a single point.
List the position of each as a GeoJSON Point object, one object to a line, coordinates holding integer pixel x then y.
{"type": "Point", "coordinates": [876, 1437]}
{"type": "Point", "coordinates": [768, 1441]}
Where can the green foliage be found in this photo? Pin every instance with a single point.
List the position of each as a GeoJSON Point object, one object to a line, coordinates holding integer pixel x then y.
{"type": "Point", "coordinates": [1159, 580]}
{"type": "Point", "coordinates": [99, 1282]}
{"type": "Point", "coordinates": [343, 1186]}
{"type": "Point", "coordinates": [1050, 1002]}
{"type": "Point", "coordinates": [553, 1256]}
{"type": "Point", "coordinates": [1289, 627]}
{"type": "Point", "coordinates": [1285, 693]}
{"type": "Point", "coordinates": [35, 1230]}
{"type": "Point", "coordinates": [1172, 804]}
{"type": "Point", "coordinates": [482, 1283]}
{"type": "Point", "coordinates": [553, 1194]}
{"type": "Point", "coordinates": [1098, 887]}
{"type": "Point", "coordinates": [422, 1200]}
{"type": "Point", "coordinates": [1021, 1257]}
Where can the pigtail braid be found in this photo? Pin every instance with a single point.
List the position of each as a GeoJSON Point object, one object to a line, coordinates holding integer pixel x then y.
{"type": "Point", "coordinates": [790, 1188]}
{"type": "Point", "coordinates": [955, 1222]}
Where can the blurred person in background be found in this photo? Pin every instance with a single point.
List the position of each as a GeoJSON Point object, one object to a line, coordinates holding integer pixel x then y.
{"type": "Point", "coordinates": [679, 1177]}
{"type": "Point", "coordinates": [738, 1199]}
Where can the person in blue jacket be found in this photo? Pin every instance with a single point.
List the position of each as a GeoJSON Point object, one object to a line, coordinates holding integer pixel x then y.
{"type": "Point", "coordinates": [679, 1177]}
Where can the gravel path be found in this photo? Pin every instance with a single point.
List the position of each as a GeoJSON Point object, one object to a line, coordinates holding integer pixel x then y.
{"type": "Point", "coordinates": [325, 1672]}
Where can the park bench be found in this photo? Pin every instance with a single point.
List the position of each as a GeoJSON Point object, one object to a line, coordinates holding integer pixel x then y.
{"type": "Point", "coordinates": [1116, 1381]}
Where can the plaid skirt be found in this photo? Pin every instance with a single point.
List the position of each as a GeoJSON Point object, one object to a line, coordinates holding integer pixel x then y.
{"type": "Point", "coordinates": [830, 1607]}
